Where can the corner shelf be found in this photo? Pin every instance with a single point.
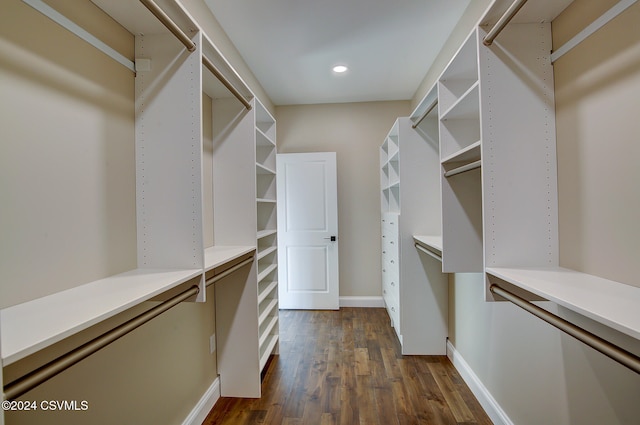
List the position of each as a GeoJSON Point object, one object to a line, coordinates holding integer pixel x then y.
{"type": "Point", "coordinates": [611, 303]}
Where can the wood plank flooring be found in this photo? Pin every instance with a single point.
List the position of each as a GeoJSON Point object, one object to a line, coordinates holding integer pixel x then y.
{"type": "Point", "coordinates": [344, 368]}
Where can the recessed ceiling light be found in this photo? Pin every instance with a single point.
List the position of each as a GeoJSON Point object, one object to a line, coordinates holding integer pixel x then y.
{"type": "Point", "coordinates": [340, 69]}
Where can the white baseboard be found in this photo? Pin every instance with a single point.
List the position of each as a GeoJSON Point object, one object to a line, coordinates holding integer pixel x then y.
{"type": "Point", "coordinates": [204, 406]}
{"type": "Point", "coordinates": [488, 403]}
{"type": "Point", "coordinates": [361, 302]}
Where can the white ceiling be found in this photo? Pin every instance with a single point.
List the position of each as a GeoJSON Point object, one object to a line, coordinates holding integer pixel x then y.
{"type": "Point", "coordinates": [291, 45]}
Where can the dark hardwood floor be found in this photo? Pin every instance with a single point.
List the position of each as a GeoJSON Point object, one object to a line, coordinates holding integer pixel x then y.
{"type": "Point", "coordinates": [345, 367]}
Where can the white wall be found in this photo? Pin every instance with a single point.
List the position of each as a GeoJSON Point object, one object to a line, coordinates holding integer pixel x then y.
{"type": "Point", "coordinates": [355, 131]}
{"type": "Point", "coordinates": [537, 374]}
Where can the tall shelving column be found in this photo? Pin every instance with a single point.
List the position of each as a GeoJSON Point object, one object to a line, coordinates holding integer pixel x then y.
{"type": "Point", "coordinates": [266, 232]}
{"type": "Point", "coordinates": [460, 144]}
{"type": "Point", "coordinates": [414, 287]}
{"type": "Point", "coordinates": [169, 155]}
{"type": "Point", "coordinates": [427, 127]}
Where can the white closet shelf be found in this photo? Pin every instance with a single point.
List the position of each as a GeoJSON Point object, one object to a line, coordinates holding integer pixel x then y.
{"type": "Point", "coordinates": [467, 154]}
{"type": "Point", "coordinates": [263, 252]}
{"type": "Point", "coordinates": [271, 343]}
{"type": "Point", "coordinates": [35, 325]}
{"type": "Point", "coordinates": [266, 201]}
{"type": "Point", "coordinates": [264, 233]}
{"type": "Point", "coordinates": [266, 272]}
{"type": "Point", "coordinates": [261, 169]}
{"type": "Point", "coordinates": [267, 310]}
{"type": "Point", "coordinates": [432, 243]}
{"type": "Point", "coordinates": [611, 303]}
{"type": "Point", "coordinates": [216, 256]}
{"type": "Point", "coordinates": [267, 290]}
{"type": "Point", "coordinates": [466, 107]}
{"type": "Point", "coordinates": [267, 330]}
{"type": "Point", "coordinates": [262, 139]}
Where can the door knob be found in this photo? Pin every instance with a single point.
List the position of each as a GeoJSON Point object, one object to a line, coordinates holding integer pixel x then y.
{"type": "Point", "coordinates": [333, 238]}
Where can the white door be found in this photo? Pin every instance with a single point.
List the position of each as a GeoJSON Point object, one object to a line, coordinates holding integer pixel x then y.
{"type": "Point", "coordinates": [307, 231]}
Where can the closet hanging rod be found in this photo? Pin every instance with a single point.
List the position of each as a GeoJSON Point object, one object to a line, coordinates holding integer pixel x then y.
{"type": "Point", "coordinates": [424, 115]}
{"type": "Point", "coordinates": [227, 272]}
{"type": "Point", "coordinates": [464, 168]}
{"type": "Point", "coordinates": [211, 67]}
{"type": "Point", "coordinates": [426, 251]}
{"type": "Point", "coordinates": [610, 350]}
{"type": "Point", "coordinates": [168, 22]}
{"type": "Point", "coordinates": [22, 385]}
{"type": "Point", "coordinates": [503, 21]}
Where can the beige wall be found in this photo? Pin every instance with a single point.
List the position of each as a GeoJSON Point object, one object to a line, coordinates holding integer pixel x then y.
{"type": "Point", "coordinates": [597, 108]}
{"type": "Point", "coordinates": [355, 131]}
{"type": "Point", "coordinates": [537, 374]}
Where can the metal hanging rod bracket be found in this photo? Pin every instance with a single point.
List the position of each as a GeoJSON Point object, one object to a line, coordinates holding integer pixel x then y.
{"type": "Point", "coordinates": [503, 21]}
{"type": "Point", "coordinates": [211, 67]}
{"type": "Point", "coordinates": [428, 252]}
{"type": "Point", "coordinates": [610, 350]}
{"type": "Point", "coordinates": [464, 168]}
{"type": "Point", "coordinates": [22, 385]}
{"type": "Point", "coordinates": [169, 24]}
{"type": "Point", "coordinates": [425, 113]}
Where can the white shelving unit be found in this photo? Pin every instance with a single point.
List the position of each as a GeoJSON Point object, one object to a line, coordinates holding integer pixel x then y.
{"type": "Point", "coordinates": [414, 288]}
{"type": "Point", "coordinates": [427, 127]}
{"type": "Point", "coordinates": [520, 184]}
{"type": "Point", "coordinates": [266, 232]}
{"type": "Point", "coordinates": [189, 228]}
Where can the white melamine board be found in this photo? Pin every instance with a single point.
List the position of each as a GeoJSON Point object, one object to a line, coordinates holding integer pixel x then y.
{"type": "Point", "coordinates": [265, 289]}
{"type": "Point", "coordinates": [415, 290]}
{"type": "Point", "coordinates": [137, 19]}
{"type": "Point", "coordinates": [265, 123]}
{"type": "Point", "coordinates": [237, 334]}
{"type": "Point", "coordinates": [611, 303]}
{"type": "Point", "coordinates": [263, 252]}
{"type": "Point", "coordinates": [518, 149]}
{"type": "Point", "coordinates": [433, 243]}
{"type": "Point", "coordinates": [216, 256]}
{"type": "Point", "coordinates": [468, 154]}
{"type": "Point", "coordinates": [267, 308]}
{"type": "Point", "coordinates": [34, 325]}
{"type": "Point", "coordinates": [462, 233]}
{"type": "Point", "coordinates": [267, 350]}
{"type": "Point", "coordinates": [466, 107]}
{"type": "Point", "coordinates": [264, 233]}
{"type": "Point", "coordinates": [266, 272]}
{"type": "Point", "coordinates": [169, 155]}
{"type": "Point", "coordinates": [266, 330]}
{"type": "Point", "coordinates": [532, 12]}
{"type": "Point", "coordinates": [234, 189]}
